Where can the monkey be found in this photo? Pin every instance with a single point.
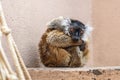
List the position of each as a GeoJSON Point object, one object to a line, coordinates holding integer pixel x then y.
{"type": "Point", "coordinates": [64, 43]}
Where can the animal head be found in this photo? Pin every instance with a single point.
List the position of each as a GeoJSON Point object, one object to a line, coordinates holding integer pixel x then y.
{"type": "Point", "coordinates": [76, 30]}
{"type": "Point", "coordinates": [73, 28]}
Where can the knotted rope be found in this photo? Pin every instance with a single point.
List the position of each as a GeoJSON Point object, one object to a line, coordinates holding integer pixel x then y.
{"type": "Point", "coordinates": [6, 73]}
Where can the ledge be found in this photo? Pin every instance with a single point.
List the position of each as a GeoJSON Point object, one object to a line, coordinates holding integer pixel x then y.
{"type": "Point", "coordinates": [99, 73]}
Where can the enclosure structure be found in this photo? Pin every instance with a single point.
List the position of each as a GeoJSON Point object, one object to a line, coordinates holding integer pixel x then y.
{"type": "Point", "coordinates": [31, 20]}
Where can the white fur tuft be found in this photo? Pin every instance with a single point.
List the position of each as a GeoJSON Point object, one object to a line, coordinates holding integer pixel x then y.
{"type": "Point", "coordinates": [66, 22]}
{"type": "Point", "coordinates": [87, 33]}
{"type": "Point", "coordinates": [60, 21]}
{"type": "Point", "coordinates": [53, 21]}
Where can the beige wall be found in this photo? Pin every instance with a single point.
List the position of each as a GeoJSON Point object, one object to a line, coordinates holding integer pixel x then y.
{"type": "Point", "coordinates": [106, 35]}
{"type": "Point", "coordinates": [27, 19]}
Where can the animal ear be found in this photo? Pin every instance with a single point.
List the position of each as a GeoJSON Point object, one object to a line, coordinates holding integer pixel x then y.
{"type": "Point", "coordinates": [87, 33]}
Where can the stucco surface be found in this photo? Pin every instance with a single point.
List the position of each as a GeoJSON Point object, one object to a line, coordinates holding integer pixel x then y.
{"type": "Point", "coordinates": [106, 35]}
{"type": "Point", "coordinates": [27, 19]}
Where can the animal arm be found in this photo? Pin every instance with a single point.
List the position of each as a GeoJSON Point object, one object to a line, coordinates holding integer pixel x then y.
{"type": "Point", "coordinates": [59, 39]}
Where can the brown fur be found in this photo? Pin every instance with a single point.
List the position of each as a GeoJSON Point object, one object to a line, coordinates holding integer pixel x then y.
{"type": "Point", "coordinates": [58, 50]}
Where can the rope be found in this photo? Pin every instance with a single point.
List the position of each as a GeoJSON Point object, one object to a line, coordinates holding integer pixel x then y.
{"type": "Point", "coordinates": [21, 69]}
{"type": "Point", "coordinates": [5, 68]}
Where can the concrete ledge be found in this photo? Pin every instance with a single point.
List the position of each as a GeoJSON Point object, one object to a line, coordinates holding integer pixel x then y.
{"type": "Point", "coordinates": [99, 73]}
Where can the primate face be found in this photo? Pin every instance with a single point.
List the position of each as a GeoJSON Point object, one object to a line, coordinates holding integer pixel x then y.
{"type": "Point", "coordinates": [76, 30]}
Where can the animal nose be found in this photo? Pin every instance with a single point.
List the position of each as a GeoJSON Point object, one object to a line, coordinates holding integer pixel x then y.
{"type": "Point", "coordinates": [77, 34]}
{"type": "Point", "coordinates": [75, 39]}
